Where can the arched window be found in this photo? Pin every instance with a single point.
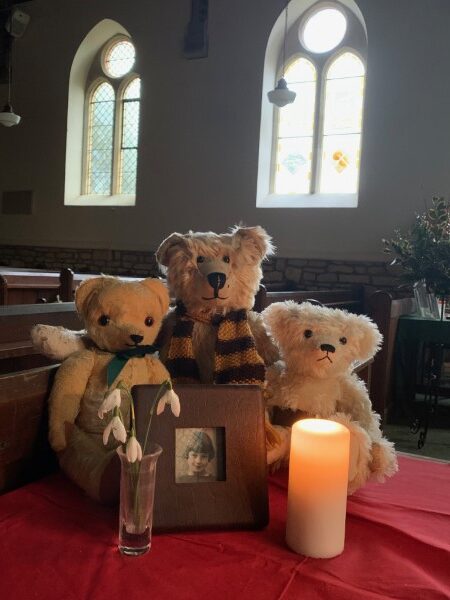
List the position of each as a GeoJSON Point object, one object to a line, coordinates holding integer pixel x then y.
{"type": "Point", "coordinates": [314, 143]}
{"type": "Point", "coordinates": [103, 120]}
{"type": "Point", "coordinates": [112, 107]}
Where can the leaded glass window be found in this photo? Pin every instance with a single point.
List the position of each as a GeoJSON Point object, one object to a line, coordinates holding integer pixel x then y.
{"type": "Point", "coordinates": [112, 117]}
{"type": "Point", "coordinates": [100, 139]}
{"type": "Point", "coordinates": [295, 131]}
{"type": "Point", "coordinates": [129, 141]}
{"type": "Point", "coordinates": [316, 141]}
{"type": "Point", "coordinates": [341, 144]}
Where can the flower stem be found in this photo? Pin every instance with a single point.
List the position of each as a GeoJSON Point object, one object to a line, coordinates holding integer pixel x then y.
{"type": "Point", "coordinates": [165, 384]}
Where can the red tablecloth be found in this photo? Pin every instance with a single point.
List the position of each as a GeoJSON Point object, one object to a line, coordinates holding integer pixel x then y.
{"type": "Point", "coordinates": [57, 544]}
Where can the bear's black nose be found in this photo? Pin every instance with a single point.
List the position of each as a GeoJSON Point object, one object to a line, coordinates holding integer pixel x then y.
{"type": "Point", "coordinates": [327, 348]}
{"type": "Point", "coordinates": [217, 280]}
{"type": "Point", "coordinates": [137, 339]}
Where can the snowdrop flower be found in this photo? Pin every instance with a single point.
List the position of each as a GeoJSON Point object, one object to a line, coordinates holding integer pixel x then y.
{"type": "Point", "coordinates": [134, 450]}
{"type": "Point", "coordinates": [170, 398]}
{"type": "Point", "coordinates": [110, 402]}
{"type": "Point", "coordinates": [118, 430]}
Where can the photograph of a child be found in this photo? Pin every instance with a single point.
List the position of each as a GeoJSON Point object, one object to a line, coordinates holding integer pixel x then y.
{"type": "Point", "coordinates": [196, 455]}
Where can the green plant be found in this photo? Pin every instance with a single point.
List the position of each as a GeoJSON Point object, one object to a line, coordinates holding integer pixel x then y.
{"type": "Point", "coordinates": [423, 252]}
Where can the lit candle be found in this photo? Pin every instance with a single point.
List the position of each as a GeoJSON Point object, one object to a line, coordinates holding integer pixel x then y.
{"type": "Point", "coordinates": [317, 492]}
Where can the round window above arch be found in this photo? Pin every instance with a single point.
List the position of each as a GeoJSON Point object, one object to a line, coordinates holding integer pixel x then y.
{"type": "Point", "coordinates": [118, 57]}
{"type": "Point", "coordinates": [322, 29]}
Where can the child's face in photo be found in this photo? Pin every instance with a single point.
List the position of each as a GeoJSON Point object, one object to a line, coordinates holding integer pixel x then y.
{"type": "Point", "coordinates": [197, 462]}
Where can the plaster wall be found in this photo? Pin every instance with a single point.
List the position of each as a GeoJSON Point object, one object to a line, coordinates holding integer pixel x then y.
{"type": "Point", "coordinates": [200, 122]}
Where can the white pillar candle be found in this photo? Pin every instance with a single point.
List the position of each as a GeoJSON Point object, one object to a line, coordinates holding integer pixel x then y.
{"type": "Point", "coordinates": [317, 492]}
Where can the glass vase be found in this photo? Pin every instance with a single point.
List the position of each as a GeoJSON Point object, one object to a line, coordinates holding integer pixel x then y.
{"type": "Point", "coordinates": [137, 491]}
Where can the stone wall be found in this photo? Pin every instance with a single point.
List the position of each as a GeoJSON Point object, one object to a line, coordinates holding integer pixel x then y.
{"type": "Point", "coordinates": [286, 273]}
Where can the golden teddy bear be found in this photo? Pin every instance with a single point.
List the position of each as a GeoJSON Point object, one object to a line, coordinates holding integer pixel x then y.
{"type": "Point", "coordinates": [318, 348]}
{"type": "Point", "coordinates": [122, 320]}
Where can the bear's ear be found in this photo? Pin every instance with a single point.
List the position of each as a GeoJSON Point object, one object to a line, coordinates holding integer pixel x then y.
{"type": "Point", "coordinates": [253, 242]}
{"type": "Point", "coordinates": [88, 289]}
{"type": "Point", "coordinates": [175, 241]}
{"type": "Point", "coordinates": [370, 339]}
{"type": "Point", "coordinates": [157, 287]}
{"type": "Point", "coordinates": [279, 319]}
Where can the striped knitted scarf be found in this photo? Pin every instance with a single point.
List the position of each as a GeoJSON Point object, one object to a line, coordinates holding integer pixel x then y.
{"type": "Point", "coordinates": [235, 361]}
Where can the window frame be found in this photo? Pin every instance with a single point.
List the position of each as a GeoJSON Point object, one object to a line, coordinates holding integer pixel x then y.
{"type": "Point", "coordinates": [119, 85]}
{"type": "Point", "coordinates": [354, 41]}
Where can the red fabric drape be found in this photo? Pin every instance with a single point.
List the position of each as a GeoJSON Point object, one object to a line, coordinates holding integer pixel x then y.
{"type": "Point", "coordinates": [56, 544]}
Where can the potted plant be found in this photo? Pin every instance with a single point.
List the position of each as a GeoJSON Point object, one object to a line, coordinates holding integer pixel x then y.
{"type": "Point", "coordinates": [423, 252]}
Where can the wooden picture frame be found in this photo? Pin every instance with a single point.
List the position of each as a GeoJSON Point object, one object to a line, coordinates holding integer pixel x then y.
{"type": "Point", "coordinates": [236, 496]}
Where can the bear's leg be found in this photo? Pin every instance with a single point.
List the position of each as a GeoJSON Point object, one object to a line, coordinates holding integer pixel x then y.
{"type": "Point", "coordinates": [360, 456]}
{"type": "Point", "coordinates": [384, 460]}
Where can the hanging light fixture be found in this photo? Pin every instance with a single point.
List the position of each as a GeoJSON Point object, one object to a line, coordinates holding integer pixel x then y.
{"type": "Point", "coordinates": [8, 118]}
{"type": "Point", "coordinates": [282, 95]}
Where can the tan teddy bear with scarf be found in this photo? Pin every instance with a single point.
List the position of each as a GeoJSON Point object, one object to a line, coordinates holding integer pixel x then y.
{"type": "Point", "coordinates": [212, 336]}
{"type": "Point", "coordinates": [122, 320]}
{"type": "Point", "coordinates": [318, 348]}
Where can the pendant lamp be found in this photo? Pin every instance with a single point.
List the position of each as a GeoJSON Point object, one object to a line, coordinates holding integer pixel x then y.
{"type": "Point", "coordinates": [282, 95]}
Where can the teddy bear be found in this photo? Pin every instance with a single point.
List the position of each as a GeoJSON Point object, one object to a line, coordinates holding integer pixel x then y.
{"type": "Point", "coordinates": [211, 335]}
{"type": "Point", "coordinates": [318, 348]}
{"type": "Point", "coordinates": [122, 320]}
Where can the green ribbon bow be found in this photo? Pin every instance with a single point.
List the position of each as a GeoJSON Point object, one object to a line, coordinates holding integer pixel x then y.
{"type": "Point", "coordinates": [121, 359]}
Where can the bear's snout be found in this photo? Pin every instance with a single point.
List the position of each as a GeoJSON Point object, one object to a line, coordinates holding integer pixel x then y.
{"type": "Point", "coordinates": [137, 339]}
{"type": "Point", "coordinates": [327, 348]}
{"type": "Point", "coordinates": [217, 280]}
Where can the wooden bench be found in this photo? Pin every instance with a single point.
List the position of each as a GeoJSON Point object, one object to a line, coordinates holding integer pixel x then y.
{"type": "Point", "coordinates": [25, 453]}
{"type": "Point", "coordinates": [16, 350]}
{"type": "Point", "coordinates": [385, 312]}
{"type": "Point", "coordinates": [351, 299]}
{"type": "Point", "coordinates": [70, 281]}
{"type": "Point", "coordinates": [28, 286]}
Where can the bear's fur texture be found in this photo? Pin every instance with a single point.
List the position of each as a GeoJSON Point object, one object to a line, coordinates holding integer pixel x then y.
{"type": "Point", "coordinates": [116, 316]}
{"type": "Point", "coordinates": [318, 348]}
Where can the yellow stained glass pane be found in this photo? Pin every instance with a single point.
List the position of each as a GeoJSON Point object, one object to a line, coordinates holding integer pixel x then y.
{"type": "Point", "coordinates": [340, 164]}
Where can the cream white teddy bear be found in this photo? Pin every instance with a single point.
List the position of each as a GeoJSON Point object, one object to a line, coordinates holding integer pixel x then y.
{"type": "Point", "coordinates": [318, 348]}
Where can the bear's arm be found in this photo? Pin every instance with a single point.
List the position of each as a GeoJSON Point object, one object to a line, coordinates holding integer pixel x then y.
{"type": "Point", "coordinates": [355, 402]}
{"type": "Point", "coordinates": [67, 391]}
{"type": "Point", "coordinates": [264, 345]}
{"type": "Point", "coordinates": [57, 342]}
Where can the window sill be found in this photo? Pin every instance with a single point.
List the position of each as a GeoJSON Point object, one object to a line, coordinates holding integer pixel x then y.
{"type": "Point", "coordinates": [308, 201]}
{"type": "Point", "coordinates": [97, 200]}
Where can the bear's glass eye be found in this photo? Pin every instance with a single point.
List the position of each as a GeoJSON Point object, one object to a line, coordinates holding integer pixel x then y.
{"type": "Point", "coordinates": [200, 259]}
{"type": "Point", "coordinates": [343, 340]}
{"type": "Point", "coordinates": [308, 333]}
{"type": "Point", "coordinates": [149, 321]}
{"type": "Point", "coordinates": [103, 320]}
{"type": "Point", "coordinates": [226, 259]}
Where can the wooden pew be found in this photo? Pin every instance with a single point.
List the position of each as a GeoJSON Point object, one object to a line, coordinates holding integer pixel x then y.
{"type": "Point", "coordinates": [16, 350]}
{"type": "Point", "coordinates": [349, 299]}
{"type": "Point", "coordinates": [28, 286]}
{"type": "Point", "coordinates": [25, 453]}
{"type": "Point", "coordinates": [385, 312]}
{"type": "Point", "coordinates": [71, 280]}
